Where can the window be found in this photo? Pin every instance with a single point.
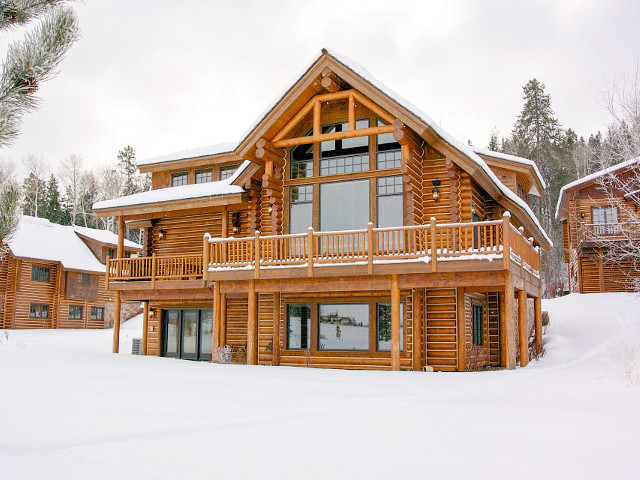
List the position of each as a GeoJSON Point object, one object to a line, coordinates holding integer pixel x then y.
{"type": "Point", "coordinates": [302, 161]}
{"type": "Point", "coordinates": [344, 205]}
{"type": "Point", "coordinates": [388, 150]}
{"type": "Point", "coordinates": [179, 179]}
{"type": "Point", "coordinates": [605, 220]}
{"type": "Point", "coordinates": [112, 253]}
{"type": "Point", "coordinates": [127, 254]}
{"type": "Point", "coordinates": [75, 312]}
{"type": "Point", "coordinates": [97, 313]}
{"type": "Point", "coordinates": [477, 314]}
{"type": "Point", "coordinates": [84, 278]}
{"type": "Point", "coordinates": [344, 156]}
{"type": "Point", "coordinates": [383, 324]}
{"type": "Point", "coordinates": [40, 274]}
{"type": "Point", "coordinates": [226, 172]}
{"type": "Point", "coordinates": [39, 310]}
{"type": "Point", "coordinates": [389, 193]}
{"type": "Point", "coordinates": [343, 326]}
{"type": "Point", "coordinates": [300, 208]}
{"type": "Point", "coordinates": [298, 327]}
{"type": "Point", "coordinates": [204, 176]}
{"type": "Point", "coordinates": [187, 334]}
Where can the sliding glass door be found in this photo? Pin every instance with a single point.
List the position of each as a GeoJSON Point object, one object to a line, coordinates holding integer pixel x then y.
{"type": "Point", "coordinates": [187, 334]}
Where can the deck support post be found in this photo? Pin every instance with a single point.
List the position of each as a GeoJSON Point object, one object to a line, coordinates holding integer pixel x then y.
{"type": "Point", "coordinates": [120, 246]}
{"type": "Point", "coordinates": [222, 340]}
{"type": "Point", "coordinates": [252, 325]}
{"type": "Point", "coordinates": [418, 321]}
{"type": "Point", "coordinates": [145, 327]}
{"type": "Point", "coordinates": [116, 322]}
{"type": "Point", "coordinates": [506, 235]}
{"type": "Point", "coordinates": [395, 323]}
{"type": "Point", "coordinates": [523, 331]}
{"type": "Point", "coordinates": [507, 337]}
{"type": "Point", "coordinates": [275, 342]}
{"type": "Point", "coordinates": [433, 245]}
{"type": "Point", "coordinates": [217, 314]}
{"type": "Point", "coordinates": [537, 308]}
{"type": "Point", "coordinates": [461, 329]}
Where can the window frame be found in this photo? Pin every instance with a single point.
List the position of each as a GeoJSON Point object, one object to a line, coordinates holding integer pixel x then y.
{"type": "Point", "coordinates": [84, 278]}
{"type": "Point", "coordinates": [96, 309]}
{"type": "Point", "coordinates": [477, 327]}
{"type": "Point", "coordinates": [227, 168]}
{"type": "Point", "coordinates": [205, 171]}
{"type": "Point", "coordinates": [74, 317]}
{"type": "Point", "coordinates": [177, 175]}
{"type": "Point", "coordinates": [42, 269]}
{"type": "Point", "coordinates": [33, 312]}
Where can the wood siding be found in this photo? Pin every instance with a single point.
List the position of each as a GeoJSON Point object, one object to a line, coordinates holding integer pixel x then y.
{"type": "Point", "coordinates": [441, 329]}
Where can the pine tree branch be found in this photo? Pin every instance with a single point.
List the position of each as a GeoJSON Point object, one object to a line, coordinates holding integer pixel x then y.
{"type": "Point", "coordinates": [19, 12]}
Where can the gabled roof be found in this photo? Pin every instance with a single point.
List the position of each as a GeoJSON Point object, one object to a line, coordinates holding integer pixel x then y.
{"type": "Point", "coordinates": [105, 236]}
{"type": "Point", "coordinates": [360, 79]}
{"type": "Point", "coordinates": [530, 164]}
{"type": "Point", "coordinates": [39, 239]}
{"type": "Point", "coordinates": [587, 181]}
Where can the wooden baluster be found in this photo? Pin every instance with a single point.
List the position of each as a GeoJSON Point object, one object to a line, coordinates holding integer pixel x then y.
{"type": "Point", "coordinates": [434, 246]}
{"type": "Point", "coordinates": [310, 252]}
{"type": "Point", "coordinates": [370, 248]}
{"type": "Point", "coordinates": [153, 270]}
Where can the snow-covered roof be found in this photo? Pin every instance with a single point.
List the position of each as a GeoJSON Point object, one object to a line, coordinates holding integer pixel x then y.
{"type": "Point", "coordinates": [104, 236]}
{"type": "Point", "coordinates": [206, 151]}
{"type": "Point", "coordinates": [170, 194]}
{"type": "Point", "coordinates": [40, 239]}
{"type": "Point", "coordinates": [589, 178]}
{"type": "Point", "coordinates": [513, 158]}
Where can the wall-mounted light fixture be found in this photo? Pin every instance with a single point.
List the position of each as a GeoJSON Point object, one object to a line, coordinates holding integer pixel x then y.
{"type": "Point", "coordinates": [153, 312]}
{"type": "Point", "coordinates": [581, 214]}
{"type": "Point", "coordinates": [161, 234]}
{"type": "Point", "coordinates": [436, 191]}
{"type": "Point", "coordinates": [270, 210]}
{"type": "Point", "coordinates": [235, 223]}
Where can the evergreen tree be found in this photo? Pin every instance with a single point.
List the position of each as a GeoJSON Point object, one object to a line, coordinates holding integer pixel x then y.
{"type": "Point", "coordinates": [53, 210]}
{"type": "Point", "coordinates": [494, 146]}
{"type": "Point", "coordinates": [537, 135]}
{"type": "Point", "coordinates": [32, 61]}
{"type": "Point", "coordinates": [9, 214]}
{"type": "Point", "coordinates": [128, 168]}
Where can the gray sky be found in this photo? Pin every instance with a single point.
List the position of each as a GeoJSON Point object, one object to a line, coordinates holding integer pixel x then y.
{"type": "Point", "coordinates": [164, 76]}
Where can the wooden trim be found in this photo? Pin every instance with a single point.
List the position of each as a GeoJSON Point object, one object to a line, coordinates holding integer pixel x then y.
{"type": "Point", "coordinates": [395, 324]}
{"type": "Point", "coordinates": [342, 177]}
{"type": "Point", "coordinates": [325, 137]}
{"type": "Point", "coordinates": [276, 330]}
{"type": "Point", "coordinates": [217, 319]}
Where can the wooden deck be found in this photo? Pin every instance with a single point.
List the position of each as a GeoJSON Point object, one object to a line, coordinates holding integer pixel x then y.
{"type": "Point", "coordinates": [591, 234]}
{"type": "Point", "coordinates": [431, 248]}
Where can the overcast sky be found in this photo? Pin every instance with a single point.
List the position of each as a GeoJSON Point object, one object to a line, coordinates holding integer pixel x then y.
{"type": "Point", "coordinates": [163, 76]}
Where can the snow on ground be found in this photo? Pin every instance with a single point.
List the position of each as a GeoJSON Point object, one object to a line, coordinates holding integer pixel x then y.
{"type": "Point", "coordinates": [69, 409]}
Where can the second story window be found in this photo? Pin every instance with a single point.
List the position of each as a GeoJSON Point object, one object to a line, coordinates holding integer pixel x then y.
{"type": "Point", "coordinates": [388, 150]}
{"type": "Point", "coordinates": [179, 179]}
{"type": "Point", "coordinates": [204, 176]}
{"type": "Point", "coordinates": [40, 274]}
{"type": "Point", "coordinates": [389, 196]}
{"type": "Point", "coordinates": [302, 161]}
{"type": "Point", "coordinates": [300, 208]}
{"type": "Point", "coordinates": [347, 155]}
{"type": "Point", "coordinates": [605, 220]}
{"type": "Point", "coordinates": [226, 172]}
{"type": "Point", "coordinates": [84, 278]}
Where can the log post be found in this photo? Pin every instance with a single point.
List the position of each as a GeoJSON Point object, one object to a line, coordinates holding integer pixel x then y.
{"type": "Point", "coordinates": [507, 347]}
{"type": "Point", "coordinates": [217, 314]}
{"type": "Point", "coordinates": [434, 245]}
{"type": "Point", "coordinates": [506, 234]}
{"type": "Point", "coordinates": [523, 332]}
{"type": "Point", "coordinates": [461, 329]}
{"type": "Point", "coordinates": [145, 326]}
{"type": "Point", "coordinates": [225, 222]}
{"type": "Point", "coordinates": [120, 247]}
{"type": "Point", "coordinates": [418, 321]}
{"type": "Point", "coordinates": [106, 275]}
{"type": "Point", "coordinates": [537, 308]}
{"type": "Point", "coordinates": [256, 254]}
{"type": "Point", "coordinates": [370, 248]}
{"type": "Point", "coordinates": [205, 258]}
{"type": "Point", "coordinates": [222, 341]}
{"type": "Point", "coordinates": [395, 323]}
{"type": "Point", "coordinates": [310, 252]}
{"type": "Point", "coordinates": [352, 113]}
{"type": "Point", "coordinates": [252, 325]}
{"type": "Point", "coordinates": [116, 322]}
{"type": "Point", "coordinates": [276, 330]}
{"type": "Point", "coordinates": [153, 270]}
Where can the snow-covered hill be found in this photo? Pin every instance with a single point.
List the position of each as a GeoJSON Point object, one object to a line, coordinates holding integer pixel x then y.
{"type": "Point", "coordinates": [69, 409]}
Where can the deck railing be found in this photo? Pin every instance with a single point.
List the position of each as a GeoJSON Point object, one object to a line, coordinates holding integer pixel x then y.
{"type": "Point", "coordinates": [609, 232]}
{"type": "Point", "coordinates": [431, 243]}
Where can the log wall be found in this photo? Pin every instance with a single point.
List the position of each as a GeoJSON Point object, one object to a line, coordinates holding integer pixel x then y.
{"type": "Point", "coordinates": [441, 329]}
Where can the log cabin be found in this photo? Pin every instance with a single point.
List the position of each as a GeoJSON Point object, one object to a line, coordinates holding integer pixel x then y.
{"type": "Point", "coordinates": [600, 212]}
{"type": "Point", "coordinates": [346, 229]}
{"type": "Point", "coordinates": [53, 276]}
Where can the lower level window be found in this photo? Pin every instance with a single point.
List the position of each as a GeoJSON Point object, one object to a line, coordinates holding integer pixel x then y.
{"type": "Point", "coordinates": [75, 312]}
{"type": "Point", "coordinates": [477, 324]}
{"type": "Point", "coordinates": [383, 320]}
{"type": "Point", "coordinates": [343, 326]}
{"type": "Point", "coordinates": [39, 310]}
{"type": "Point", "coordinates": [97, 313]}
{"type": "Point", "coordinates": [298, 327]}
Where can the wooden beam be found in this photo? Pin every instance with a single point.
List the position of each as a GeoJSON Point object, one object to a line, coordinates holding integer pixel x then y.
{"type": "Point", "coordinates": [418, 322]}
{"type": "Point", "coordinates": [276, 330]}
{"type": "Point", "coordinates": [331, 83]}
{"type": "Point", "coordinates": [120, 249]}
{"type": "Point", "coordinates": [380, 112]}
{"type": "Point", "coordinates": [217, 318]}
{"type": "Point", "coordinates": [252, 324]}
{"type": "Point", "coordinates": [395, 324]}
{"type": "Point", "coordinates": [537, 308]}
{"type": "Point", "coordinates": [222, 341]}
{"type": "Point", "coordinates": [352, 113]}
{"type": "Point", "coordinates": [145, 327]}
{"type": "Point", "coordinates": [334, 136]}
{"type": "Point", "coordinates": [116, 323]}
{"type": "Point", "coordinates": [461, 329]}
{"type": "Point", "coordinates": [507, 340]}
{"type": "Point", "coordinates": [523, 332]}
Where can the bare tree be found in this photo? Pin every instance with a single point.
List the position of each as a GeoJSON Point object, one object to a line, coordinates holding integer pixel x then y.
{"type": "Point", "coordinates": [35, 185]}
{"type": "Point", "coordinates": [71, 175]}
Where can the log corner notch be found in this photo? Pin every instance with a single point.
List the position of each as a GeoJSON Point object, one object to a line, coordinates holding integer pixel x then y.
{"type": "Point", "coordinates": [266, 152]}
{"type": "Point", "coordinates": [331, 82]}
{"type": "Point", "coordinates": [412, 156]}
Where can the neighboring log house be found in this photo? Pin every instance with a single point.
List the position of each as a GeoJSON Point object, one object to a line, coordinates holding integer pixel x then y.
{"type": "Point", "coordinates": [346, 229]}
{"type": "Point", "coordinates": [53, 276]}
{"type": "Point", "coordinates": [599, 214]}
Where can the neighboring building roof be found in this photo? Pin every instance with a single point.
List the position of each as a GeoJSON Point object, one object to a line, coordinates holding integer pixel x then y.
{"type": "Point", "coordinates": [40, 239]}
{"type": "Point", "coordinates": [513, 158]}
{"type": "Point", "coordinates": [105, 236]}
{"type": "Point", "coordinates": [184, 192]}
{"type": "Point", "coordinates": [584, 181]}
{"type": "Point", "coordinates": [206, 151]}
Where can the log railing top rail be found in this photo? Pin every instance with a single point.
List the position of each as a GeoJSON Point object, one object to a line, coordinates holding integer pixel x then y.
{"type": "Point", "coordinates": [607, 232]}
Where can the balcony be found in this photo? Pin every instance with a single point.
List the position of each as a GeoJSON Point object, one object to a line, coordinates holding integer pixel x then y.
{"type": "Point", "coordinates": [431, 248]}
{"type": "Point", "coordinates": [599, 234]}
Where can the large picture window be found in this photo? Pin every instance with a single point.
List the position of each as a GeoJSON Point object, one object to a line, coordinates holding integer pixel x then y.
{"type": "Point", "coordinates": [389, 194]}
{"type": "Point", "coordinates": [187, 334]}
{"type": "Point", "coordinates": [344, 205]}
{"type": "Point", "coordinates": [298, 327]}
{"type": "Point", "coordinates": [343, 326]}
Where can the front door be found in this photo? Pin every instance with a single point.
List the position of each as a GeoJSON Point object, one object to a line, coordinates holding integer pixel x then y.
{"type": "Point", "coordinates": [187, 333]}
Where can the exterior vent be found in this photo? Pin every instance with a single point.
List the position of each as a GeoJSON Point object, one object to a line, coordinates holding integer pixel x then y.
{"type": "Point", "coordinates": [135, 346]}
